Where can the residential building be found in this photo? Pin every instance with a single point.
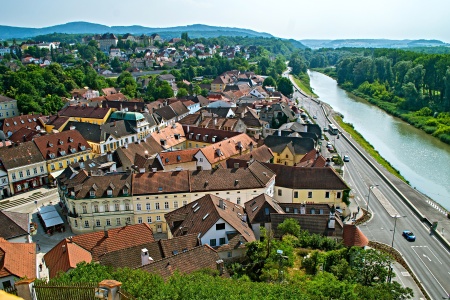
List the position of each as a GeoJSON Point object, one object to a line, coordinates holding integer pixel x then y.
{"type": "Point", "coordinates": [96, 202]}
{"type": "Point", "coordinates": [170, 114]}
{"type": "Point", "coordinates": [94, 115]}
{"type": "Point", "coordinates": [5, 190]}
{"type": "Point", "coordinates": [106, 41]}
{"type": "Point", "coordinates": [8, 107]}
{"type": "Point", "coordinates": [198, 137]}
{"type": "Point", "coordinates": [167, 77]}
{"type": "Point", "coordinates": [310, 185]}
{"type": "Point", "coordinates": [10, 125]}
{"type": "Point", "coordinates": [277, 114]}
{"type": "Point", "coordinates": [18, 260]}
{"type": "Point", "coordinates": [136, 122]}
{"type": "Point", "coordinates": [25, 165]}
{"type": "Point", "coordinates": [138, 155]}
{"type": "Point", "coordinates": [289, 150]}
{"type": "Point", "coordinates": [90, 247]}
{"type": "Point", "coordinates": [15, 227]}
{"type": "Point", "coordinates": [61, 149]}
{"type": "Point", "coordinates": [215, 220]}
{"type": "Point", "coordinates": [171, 137]}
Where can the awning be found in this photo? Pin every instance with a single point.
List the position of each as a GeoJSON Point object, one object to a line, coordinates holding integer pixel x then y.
{"type": "Point", "coordinates": [56, 173]}
{"type": "Point", "coordinates": [50, 216]}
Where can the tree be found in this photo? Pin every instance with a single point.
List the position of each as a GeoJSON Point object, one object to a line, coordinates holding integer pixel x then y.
{"type": "Point", "coordinates": [289, 226]}
{"type": "Point", "coordinates": [269, 81]}
{"type": "Point", "coordinates": [369, 265]}
{"type": "Point", "coordinates": [182, 93]}
{"type": "Point", "coordinates": [285, 86]}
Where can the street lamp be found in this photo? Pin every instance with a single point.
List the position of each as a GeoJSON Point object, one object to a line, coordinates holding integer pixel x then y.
{"type": "Point", "coordinates": [392, 244]}
{"type": "Point", "coordinates": [368, 196]}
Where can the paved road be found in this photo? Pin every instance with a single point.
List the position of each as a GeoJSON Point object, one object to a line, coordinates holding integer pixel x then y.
{"type": "Point", "coordinates": [427, 257]}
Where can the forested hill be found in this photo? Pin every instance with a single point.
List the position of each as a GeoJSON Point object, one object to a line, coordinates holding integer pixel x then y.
{"type": "Point", "coordinates": [370, 43]}
{"type": "Point", "coordinates": [196, 30]}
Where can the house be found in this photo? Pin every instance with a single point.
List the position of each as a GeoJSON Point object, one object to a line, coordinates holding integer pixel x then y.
{"type": "Point", "coordinates": [258, 212]}
{"type": "Point", "coordinates": [94, 115]}
{"type": "Point", "coordinates": [178, 160]}
{"type": "Point", "coordinates": [17, 260]}
{"type": "Point", "coordinates": [138, 155]}
{"type": "Point", "coordinates": [277, 114]}
{"type": "Point", "coordinates": [90, 247]}
{"type": "Point", "coordinates": [198, 137]}
{"type": "Point", "coordinates": [199, 258]}
{"type": "Point", "coordinates": [25, 165]}
{"type": "Point", "coordinates": [222, 112]}
{"type": "Point", "coordinates": [15, 227]}
{"type": "Point", "coordinates": [289, 150]}
{"type": "Point", "coordinates": [171, 137]}
{"type": "Point", "coordinates": [24, 135]}
{"type": "Point", "coordinates": [61, 149]}
{"type": "Point", "coordinates": [261, 154]}
{"type": "Point", "coordinates": [310, 185]}
{"type": "Point", "coordinates": [12, 124]}
{"type": "Point", "coordinates": [55, 123]}
{"type": "Point", "coordinates": [8, 107]}
{"type": "Point", "coordinates": [315, 218]}
{"type": "Point", "coordinates": [216, 221]}
{"type": "Point", "coordinates": [128, 106]}
{"type": "Point", "coordinates": [94, 202]}
{"type": "Point", "coordinates": [106, 41]}
{"type": "Point", "coordinates": [167, 77]}
{"type": "Point", "coordinates": [5, 190]}
{"type": "Point", "coordinates": [171, 113]}
{"type": "Point", "coordinates": [136, 121]}
{"type": "Point", "coordinates": [84, 93]}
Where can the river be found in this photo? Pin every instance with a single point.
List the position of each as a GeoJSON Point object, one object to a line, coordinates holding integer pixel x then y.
{"type": "Point", "coordinates": [422, 159]}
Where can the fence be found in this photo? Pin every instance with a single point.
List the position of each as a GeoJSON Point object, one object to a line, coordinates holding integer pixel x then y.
{"type": "Point", "coordinates": [72, 291]}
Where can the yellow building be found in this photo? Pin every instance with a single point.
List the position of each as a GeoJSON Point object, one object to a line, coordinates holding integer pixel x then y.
{"type": "Point", "coordinates": [61, 149]}
{"type": "Point", "coordinates": [289, 151]}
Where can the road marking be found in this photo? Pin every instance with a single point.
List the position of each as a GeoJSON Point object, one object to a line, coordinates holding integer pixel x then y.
{"type": "Point", "coordinates": [405, 274]}
{"type": "Point", "coordinates": [429, 270]}
{"type": "Point", "coordinates": [426, 257]}
{"type": "Point", "coordinates": [434, 255]}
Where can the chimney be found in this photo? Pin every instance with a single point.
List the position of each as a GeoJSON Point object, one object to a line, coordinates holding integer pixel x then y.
{"type": "Point", "coordinates": [81, 163]}
{"type": "Point", "coordinates": [105, 233]}
{"type": "Point", "coordinates": [221, 204]}
{"type": "Point", "coordinates": [64, 248]}
{"type": "Point", "coordinates": [331, 221]}
{"type": "Point", "coordinates": [220, 266]}
{"type": "Point", "coordinates": [142, 170]}
{"type": "Point", "coordinates": [236, 165]}
{"type": "Point", "coordinates": [187, 129]}
{"type": "Point", "coordinates": [72, 127]}
{"type": "Point", "coordinates": [279, 132]}
{"type": "Point", "coordinates": [154, 170]}
{"type": "Point", "coordinates": [145, 258]}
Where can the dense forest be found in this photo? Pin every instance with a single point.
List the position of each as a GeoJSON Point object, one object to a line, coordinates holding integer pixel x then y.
{"type": "Point", "coordinates": [414, 86]}
{"type": "Point", "coordinates": [312, 267]}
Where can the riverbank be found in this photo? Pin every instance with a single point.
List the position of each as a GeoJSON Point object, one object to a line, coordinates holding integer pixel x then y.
{"type": "Point", "coordinates": [437, 125]}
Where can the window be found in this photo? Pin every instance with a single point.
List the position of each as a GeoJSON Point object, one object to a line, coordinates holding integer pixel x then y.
{"type": "Point", "coordinates": [108, 222]}
{"type": "Point", "coordinates": [84, 208]}
{"type": "Point", "coordinates": [147, 206]}
{"type": "Point", "coordinates": [200, 159]}
{"type": "Point", "coordinates": [295, 194]}
{"type": "Point", "coordinates": [95, 208]}
{"type": "Point", "coordinates": [128, 220]}
{"type": "Point", "coordinates": [52, 167]}
{"type": "Point", "coordinates": [287, 156]}
{"type": "Point", "coordinates": [35, 171]}
{"type": "Point", "coordinates": [92, 193]}
{"type": "Point", "coordinates": [212, 242]}
{"type": "Point", "coordinates": [28, 173]}
{"type": "Point", "coordinates": [106, 207]}
{"type": "Point", "coordinates": [327, 194]}
{"type": "Point", "coordinates": [166, 205]}
{"type": "Point", "coordinates": [175, 204]}
{"type": "Point", "coordinates": [116, 206]}
{"type": "Point", "coordinates": [42, 169]}
{"type": "Point", "coordinates": [97, 223]}
{"type": "Point", "coordinates": [184, 202]}
{"type": "Point", "coordinates": [222, 241]}
{"type": "Point", "coordinates": [238, 200]}
{"type": "Point", "coordinates": [158, 218]}
{"type": "Point", "coordinates": [117, 221]}
{"type": "Point", "coordinates": [75, 223]}
{"type": "Point", "coordinates": [20, 174]}
{"type": "Point", "coordinates": [229, 254]}
{"type": "Point", "coordinates": [338, 195]}
{"type": "Point", "coordinates": [127, 206]}
{"type": "Point", "coordinates": [60, 164]}
{"type": "Point", "coordinates": [139, 220]}
{"type": "Point", "coordinates": [309, 194]}
{"type": "Point", "coordinates": [149, 219]}
{"type": "Point", "coordinates": [138, 206]}
{"type": "Point", "coordinates": [280, 192]}
{"type": "Point", "coordinates": [157, 205]}
{"type": "Point", "coordinates": [86, 224]}
{"type": "Point", "coordinates": [109, 192]}
{"type": "Point", "coordinates": [266, 211]}
{"type": "Point", "coordinates": [13, 176]}
{"type": "Point", "coordinates": [220, 226]}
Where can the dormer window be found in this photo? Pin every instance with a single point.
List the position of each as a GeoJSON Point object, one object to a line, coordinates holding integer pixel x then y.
{"type": "Point", "coordinates": [51, 155]}
{"type": "Point", "coordinates": [125, 191]}
{"type": "Point", "coordinates": [82, 147]}
{"type": "Point", "coordinates": [70, 140]}
{"type": "Point", "coordinates": [21, 121]}
{"type": "Point", "coordinates": [109, 192]}
{"type": "Point", "coordinates": [73, 150]}
{"type": "Point", "coordinates": [62, 152]}
{"type": "Point", "coordinates": [61, 142]}
{"type": "Point", "coordinates": [49, 144]}
{"type": "Point", "coordinates": [92, 193]}
{"type": "Point", "coordinates": [15, 123]}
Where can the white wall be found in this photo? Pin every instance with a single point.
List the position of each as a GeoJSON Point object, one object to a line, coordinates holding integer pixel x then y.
{"type": "Point", "coordinates": [212, 233]}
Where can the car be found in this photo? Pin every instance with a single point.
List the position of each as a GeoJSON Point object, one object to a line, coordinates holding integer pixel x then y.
{"type": "Point", "coordinates": [409, 236]}
{"type": "Point", "coordinates": [314, 117]}
{"type": "Point", "coordinates": [322, 138]}
{"type": "Point", "coordinates": [346, 158]}
{"type": "Point", "coordinates": [325, 129]}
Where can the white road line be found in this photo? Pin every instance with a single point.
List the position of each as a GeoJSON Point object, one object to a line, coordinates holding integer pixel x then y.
{"type": "Point", "coordinates": [434, 255]}
{"type": "Point", "coordinates": [426, 257]}
{"type": "Point", "coordinates": [430, 271]}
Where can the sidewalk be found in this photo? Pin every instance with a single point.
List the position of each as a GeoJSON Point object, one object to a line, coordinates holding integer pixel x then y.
{"type": "Point", "coordinates": [35, 197]}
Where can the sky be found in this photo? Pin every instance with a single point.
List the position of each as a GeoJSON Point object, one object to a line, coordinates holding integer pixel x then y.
{"type": "Point", "coordinates": [296, 19]}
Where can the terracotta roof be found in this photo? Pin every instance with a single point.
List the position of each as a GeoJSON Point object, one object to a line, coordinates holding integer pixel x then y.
{"type": "Point", "coordinates": [192, 119]}
{"type": "Point", "coordinates": [17, 259]}
{"type": "Point", "coordinates": [307, 178]}
{"type": "Point", "coordinates": [170, 136]}
{"type": "Point", "coordinates": [19, 155]}
{"type": "Point", "coordinates": [57, 121]}
{"type": "Point", "coordinates": [109, 91]}
{"type": "Point", "coordinates": [261, 154]}
{"type": "Point", "coordinates": [26, 121]}
{"type": "Point", "coordinates": [14, 224]}
{"type": "Point", "coordinates": [354, 237]}
{"type": "Point", "coordinates": [312, 159]}
{"type": "Point", "coordinates": [131, 257]}
{"type": "Point", "coordinates": [84, 112]}
{"type": "Point", "coordinates": [127, 154]}
{"type": "Point", "coordinates": [101, 185]}
{"type": "Point", "coordinates": [178, 157]}
{"type": "Point", "coordinates": [160, 182]}
{"type": "Point", "coordinates": [179, 108]}
{"type": "Point", "coordinates": [256, 205]}
{"type": "Point", "coordinates": [61, 144]}
{"type": "Point", "coordinates": [203, 213]}
{"type": "Point", "coordinates": [24, 135]}
{"type": "Point", "coordinates": [65, 256]}
{"type": "Point", "coordinates": [201, 257]}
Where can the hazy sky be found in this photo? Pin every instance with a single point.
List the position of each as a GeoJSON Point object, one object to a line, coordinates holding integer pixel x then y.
{"type": "Point", "coordinates": [297, 19]}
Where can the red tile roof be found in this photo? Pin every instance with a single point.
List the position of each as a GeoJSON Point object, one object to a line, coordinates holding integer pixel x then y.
{"type": "Point", "coordinates": [354, 237]}
{"type": "Point", "coordinates": [26, 121]}
{"type": "Point", "coordinates": [178, 157]}
{"type": "Point", "coordinates": [170, 136]}
{"type": "Point", "coordinates": [160, 182]}
{"type": "Point", "coordinates": [61, 144]}
{"type": "Point", "coordinates": [17, 259]}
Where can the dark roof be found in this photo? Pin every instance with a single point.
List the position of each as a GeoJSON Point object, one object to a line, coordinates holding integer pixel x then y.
{"type": "Point", "coordinates": [179, 108]}
{"type": "Point", "coordinates": [6, 99]}
{"type": "Point", "coordinates": [118, 129]}
{"type": "Point", "coordinates": [19, 155]}
{"type": "Point", "coordinates": [14, 224]}
{"type": "Point", "coordinates": [299, 145]}
{"type": "Point", "coordinates": [130, 106]}
{"type": "Point", "coordinates": [84, 112]}
{"type": "Point", "coordinates": [219, 111]}
{"type": "Point", "coordinates": [307, 178]}
{"type": "Point", "coordinates": [56, 144]}
{"type": "Point", "coordinates": [192, 119]}
{"type": "Point", "coordinates": [90, 132]}
{"type": "Point", "coordinates": [201, 257]}
{"type": "Point", "coordinates": [101, 184]}
{"type": "Point", "coordinates": [166, 77]}
{"type": "Point", "coordinates": [200, 215]}
{"type": "Point", "coordinates": [127, 155]}
{"type": "Point", "coordinates": [207, 134]}
{"type": "Point", "coordinates": [166, 112]}
{"type": "Point", "coordinates": [24, 135]}
{"type": "Point", "coordinates": [257, 204]}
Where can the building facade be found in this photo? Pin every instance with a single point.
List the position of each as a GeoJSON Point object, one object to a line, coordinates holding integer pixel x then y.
{"type": "Point", "coordinates": [8, 107]}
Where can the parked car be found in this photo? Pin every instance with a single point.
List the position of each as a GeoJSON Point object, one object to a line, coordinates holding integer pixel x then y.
{"type": "Point", "coordinates": [346, 158]}
{"type": "Point", "coordinates": [409, 236]}
{"type": "Point", "coordinates": [325, 129]}
{"type": "Point", "coordinates": [314, 117]}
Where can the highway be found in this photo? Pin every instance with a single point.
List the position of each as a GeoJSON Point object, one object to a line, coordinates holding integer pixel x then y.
{"type": "Point", "coordinates": [427, 257]}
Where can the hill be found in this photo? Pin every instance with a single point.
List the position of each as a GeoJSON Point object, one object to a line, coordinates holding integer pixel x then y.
{"type": "Point", "coordinates": [196, 30]}
{"type": "Point", "coordinates": [370, 43]}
